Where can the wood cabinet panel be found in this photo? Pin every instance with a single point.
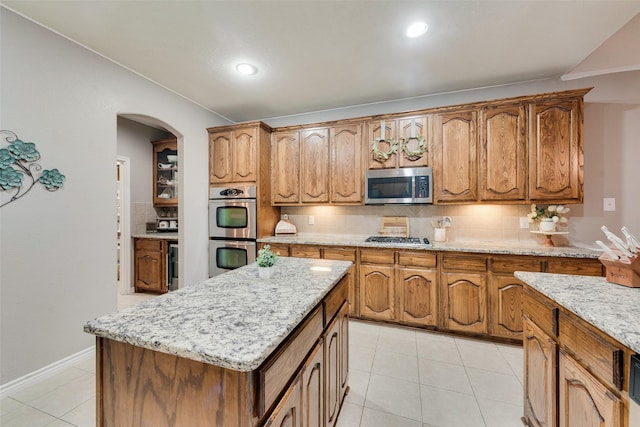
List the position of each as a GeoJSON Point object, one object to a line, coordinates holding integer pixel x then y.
{"type": "Point", "coordinates": [340, 254]}
{"type": "Point", "coordinates": [314, 165]}
{"type": "Point", "coordinates": [583, 400]}
{"type": "Point", "coordinates": [505, 296]}
{"type": "Point", "coordinates": [411, 128]}
{"type": "Point", "coordinates": [346, 164]}
{"type": "Point", "coordinates": [377, 256]}
{"type": "Point", "coordinates": [555, 150]}
{"type": "Point", "coordinates": [374, 128]}
{"type": "Point", "coordinates": [285, 172]}
{"type": "Point", "coordinates": [305, 251]}
{"type": "Point", "coordinates": [502, 153]}
{"type": "Point", "coordinates": [582, 267]}
{"type": "Point", "coordinates": [244, 154]}
{"type": "Point", "coordinates": [455, 169]}
{"type": "Point", "coordinates": [464, 302]}
{"type": "Point", "coordinates": [344, 350]}
{"type": "Point", "coordinates": [333, 302]}
{"type": "Point", "coordinates": [149, 244]}
{"type": "Point", "coordinates": [507, 265]}
{"type": "Point", "coordinates": [539, 376]}
{"type": "Point", "coordinates": [377, 292]}
{"type": "Point", "coordinates": [332, 372]}
{"type": "Point", "coordinates": [464, 262]}
{"type": "Point", "coordinates": [220, 160]}
{"type": "Point", "coordinates": [312, 393]}
{"type": "Point", "coordinates": [150, 265]}
{"type": "Point", "coordinates": [541, 311]}
{"type": "Point", "coordinates": [417, 291]}
{"type": "Point", "coordinates": [280, 248]}
{"type": "Point", "coordinates": [288, 411]}
{"type": "Point", "coordinates": [417, 259]}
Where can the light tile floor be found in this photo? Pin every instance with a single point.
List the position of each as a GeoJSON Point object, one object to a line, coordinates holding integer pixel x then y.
{"type": "Point", "coordinates": [398, 378]}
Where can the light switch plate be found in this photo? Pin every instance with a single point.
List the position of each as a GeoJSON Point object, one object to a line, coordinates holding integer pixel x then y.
{"type": "Point", "coordinates": [609, 204]}
{"type": "Point", "coordinates": [524, 222]}
{"type": "Point", "coordinates": [312, 219]}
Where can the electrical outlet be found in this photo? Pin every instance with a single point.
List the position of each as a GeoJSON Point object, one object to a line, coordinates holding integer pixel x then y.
{"type": "Point", "coordinates": [524, 222]}
{"type": "Point", "coordinates": [609, 204]}
{"type": "Point", "coordinates": [312, 219]}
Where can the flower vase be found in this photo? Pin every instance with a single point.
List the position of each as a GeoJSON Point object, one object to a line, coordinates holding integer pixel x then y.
{"type": "Point", "coordinates": [547, 225]}
{"type": "Point", "coordinates": [265, 272]}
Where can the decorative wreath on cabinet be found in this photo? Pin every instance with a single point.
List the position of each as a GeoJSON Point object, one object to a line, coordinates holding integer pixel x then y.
{"type": "Point", "coordinates": [380, 155]}
{"type": "Point", "coordinates": [413, 154]}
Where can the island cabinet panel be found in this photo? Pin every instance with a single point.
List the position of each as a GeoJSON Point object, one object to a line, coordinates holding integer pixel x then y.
{"type": "Point", "coordinates": [312, 382]}
{"type": "Point", "coordinates": [141, 387]}
{"type": "Point", "coordinates": [555, 150]}
{"type": "Point", "coordinates": [336, 365]}
{"type": "Point", "coordinates": [464, 302]}
{"type": "Point", "coordinates": [288, 413]}
{"type": "Point", "coordinates": [285, 172]}
{"type": "Point", "coordinates": [377, 292]}
{"type": "Point", "coordinates": [346, 164]}
{"type": "Point", "coordinates": [539, 376]}
{"type": "Point", "coordinates": [455, 171]}
{"type": "Point", "coordinates": [280, 367]}
{"type": "Point", "coordinates": [583, 400]}
{"type": "Point", "coordinates": [417, 291]}
{"type": "Point", "coordinates": [314, 165]}
{"type": "Point", "coordinates": [503, 153]}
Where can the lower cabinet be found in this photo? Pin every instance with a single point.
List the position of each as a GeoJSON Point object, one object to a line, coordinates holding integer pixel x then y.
{"type": "Point", "coordinates": [150, 266]}
{"type": "Point", "coordinates": [377, 292]}
{"type": "Point", "coordinates": [312, 383]}
{"type": "Point", "coordinates": [417, 291]}
{"type": "Point", "coordinates": [288, 411]}
{"type": "Point", "coordinates": [336, 343]}
{"type": "Point", "coordinates": [573, 372]}
{"type": "Point", "coordinates": [505, 313]}
{"type": "Point", "coordinates": [464, 302]}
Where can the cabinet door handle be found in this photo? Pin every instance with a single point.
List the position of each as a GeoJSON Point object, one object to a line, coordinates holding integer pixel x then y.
{"type": "Point", "coordinates": [618, 371]}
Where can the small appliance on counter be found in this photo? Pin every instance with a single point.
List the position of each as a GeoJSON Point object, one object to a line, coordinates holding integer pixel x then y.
{"type": "Point", "coordinates": [284, 227]}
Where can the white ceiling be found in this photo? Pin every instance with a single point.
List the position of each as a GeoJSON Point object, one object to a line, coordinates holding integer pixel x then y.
{"type": "Point", "coordinates": [316, 55]}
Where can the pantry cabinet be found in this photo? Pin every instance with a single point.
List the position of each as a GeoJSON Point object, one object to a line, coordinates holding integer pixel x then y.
{"type": "Point", "coordinates": [555, 150]}
{"type": "Point", "coordinates": [233, 155]}
{"type": "Point", "coordinates": [503, 148]}
{"type": "Point", "coordinates": [455, 169]}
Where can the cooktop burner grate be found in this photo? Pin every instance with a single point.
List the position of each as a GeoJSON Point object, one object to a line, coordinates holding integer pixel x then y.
{"type": "Point", "coordinates": [386, 239]}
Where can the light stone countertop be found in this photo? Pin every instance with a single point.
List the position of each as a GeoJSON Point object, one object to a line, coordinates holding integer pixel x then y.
{"type": "Point", "coordinates": [161, 235]}
{"type": "Point", "coordinates": [234, 320]}
{"type": "Point", "coordinates": [504, 248]}
{"type": "Point", "coordinates": [612, 308]}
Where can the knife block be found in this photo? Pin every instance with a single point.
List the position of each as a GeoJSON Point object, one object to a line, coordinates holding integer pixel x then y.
{"type": "Point", "coordinates": [622, 273]}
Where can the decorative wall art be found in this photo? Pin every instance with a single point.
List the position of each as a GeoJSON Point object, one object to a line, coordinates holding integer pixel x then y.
{"type": "Point", "coordinates": [19, 168]}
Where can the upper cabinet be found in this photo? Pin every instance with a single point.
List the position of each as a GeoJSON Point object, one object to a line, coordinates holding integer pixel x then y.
{"type": "Point", "coordinates": [397, 142]}
{"type": "Point", "coordinates": [455, 157]}
{"type": "Point", "coordinates": [234, 153]}
{"type": "Point", "coordinates": [317, 165]}
{"type": "Point", "coordinates": [555, 150]}
{"type": "Point", "coordinates": [503, 148]}
{"type": "Point", "coordinates": [165, 172]}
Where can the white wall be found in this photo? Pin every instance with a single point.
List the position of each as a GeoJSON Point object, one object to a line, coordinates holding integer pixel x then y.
{"type": "Point", "coordinates": [57, 254]}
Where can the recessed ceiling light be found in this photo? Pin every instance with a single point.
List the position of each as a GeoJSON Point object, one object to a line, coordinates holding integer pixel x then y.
{"type": "Point", "coordinates": [416, 29]}
{"type": "Point", "coordinates": [246, 69]}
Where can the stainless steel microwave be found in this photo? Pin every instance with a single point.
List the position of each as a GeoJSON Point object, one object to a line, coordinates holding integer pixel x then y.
{"type": "Point", "coordinates": [403, 186]}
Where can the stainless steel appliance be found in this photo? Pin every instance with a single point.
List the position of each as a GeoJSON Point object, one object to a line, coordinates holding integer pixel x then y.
{"type": "Point", "coordinates": [232, 228]}
{"type": "Point", "coordinates": [405, 186]}
{"type": "Point", "coordinates": [172, 266]}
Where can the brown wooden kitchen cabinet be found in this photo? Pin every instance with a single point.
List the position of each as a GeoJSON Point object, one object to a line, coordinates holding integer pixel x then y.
{"type": "Point", "coordinates": [398, 129]}
{"type": "Point", "coordinates": [150, 266]}
{"type": "Point", "coordinates": [374, 131]}
{"type": "Point", "coordinates": [336, 365]}
{"type": "Point", "coordinates": [455, 169]}
{"type": "Point", "coordinates": [503, 173]}
{"type": "Point", "coordinates": [555, 150]}
{"type": "Point", "coordinates": [312, 383]}
{"type": "Point", "coordinates": [377, 292]}
{"type": "Point", "coordinates": [539, 376]}
{"type": "Point", "coordinates": [289, 411]}
{"type": "Point", "coordinates": [165, 172]}
{"type": "Point", "coordinates": [317, 165]}
{"type": "Point", "coordinates": [235, 153]}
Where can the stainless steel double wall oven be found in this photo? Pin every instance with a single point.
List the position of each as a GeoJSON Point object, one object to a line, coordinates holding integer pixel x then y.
{"type": "Point", "coordinates": [232, 228]}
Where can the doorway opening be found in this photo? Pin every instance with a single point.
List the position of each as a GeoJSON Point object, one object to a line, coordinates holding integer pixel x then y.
{"type": "Point", "coordinates": [123, 231]}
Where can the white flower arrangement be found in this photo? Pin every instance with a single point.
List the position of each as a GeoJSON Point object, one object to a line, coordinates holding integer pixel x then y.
{"type": "Point", "coordinates": [554, 212]}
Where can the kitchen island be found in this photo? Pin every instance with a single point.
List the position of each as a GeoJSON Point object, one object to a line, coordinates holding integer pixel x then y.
{"type": "Point", "coordinates": [580, 334]}
{"type": "Point", "coordinates": [234, 350]}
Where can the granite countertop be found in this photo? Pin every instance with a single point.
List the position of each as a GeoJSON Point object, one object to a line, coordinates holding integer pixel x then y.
{"type": "Point", "coordinates": [162, 235]}
{"type": "Point", "coordinates": [234, 320]}
{"type": "Point", "coordinates": [612, 308]}
{"type": "Point", "coordinates": [504, 248]}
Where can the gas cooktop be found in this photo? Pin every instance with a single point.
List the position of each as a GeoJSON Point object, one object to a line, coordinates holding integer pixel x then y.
{"type": "Point", "coordinates": [385, 239]}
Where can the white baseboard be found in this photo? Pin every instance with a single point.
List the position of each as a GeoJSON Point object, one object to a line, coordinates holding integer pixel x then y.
{"type": "Point", "coordinates": [46, 372]}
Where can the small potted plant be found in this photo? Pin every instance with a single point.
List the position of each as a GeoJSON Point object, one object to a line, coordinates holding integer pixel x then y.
{"type": "Point", "coordinates": [266, 260]}
{"type": "Point", "coordinates": [548, 218]}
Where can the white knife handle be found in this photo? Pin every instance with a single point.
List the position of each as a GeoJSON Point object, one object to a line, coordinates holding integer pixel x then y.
{"type": "Point", "coordinates": [608, 251]}
{"type": "Point", "coordinates": [632, 241]}
{"type": "Point", "coordinates": [619, 244]}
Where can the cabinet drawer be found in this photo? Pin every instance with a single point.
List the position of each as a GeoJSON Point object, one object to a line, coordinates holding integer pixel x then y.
{"type": "Point", "coordinates": [280, 248]}
{"type": "Point", "coordinates": [376, 256]}
{"type": "Point", "coordinates": [417, 259]}
{"type": "Point", "coordinates": [508, 265]}
{"type": "Point", "coordinates": [151, 244]}
{"type": "Point", "coordinates": [305, 251]}
{"type": "Point", "coordinates": [335, 299]}
{"type": "Point", "coordinates": [278, 370]}
{"type": "Point", "coordinates": [340, 254]}
{"type": "Point", "coordinates": [464, 262]}
{"type": "Point", "coordinates": [582, 267]}
{"type": "Point", "coordinates": [600, 355]}
{"type": "Point", "coordinates": [540, 312]}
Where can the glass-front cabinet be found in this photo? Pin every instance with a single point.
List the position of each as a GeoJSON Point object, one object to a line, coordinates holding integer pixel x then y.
{"type": "Point", "coordinates": [165, 172]}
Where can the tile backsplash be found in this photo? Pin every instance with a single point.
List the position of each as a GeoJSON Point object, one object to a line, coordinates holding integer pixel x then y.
{"type": "Point", "coordinates": [469, 222]}
{"type": "Point", "coordinates": [142, 213]}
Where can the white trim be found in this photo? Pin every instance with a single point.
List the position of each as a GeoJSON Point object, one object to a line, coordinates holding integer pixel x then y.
{"type": "Point", "coordinates": [126, 261]}
{"type": "Point", "coordinates": [46, 372]}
